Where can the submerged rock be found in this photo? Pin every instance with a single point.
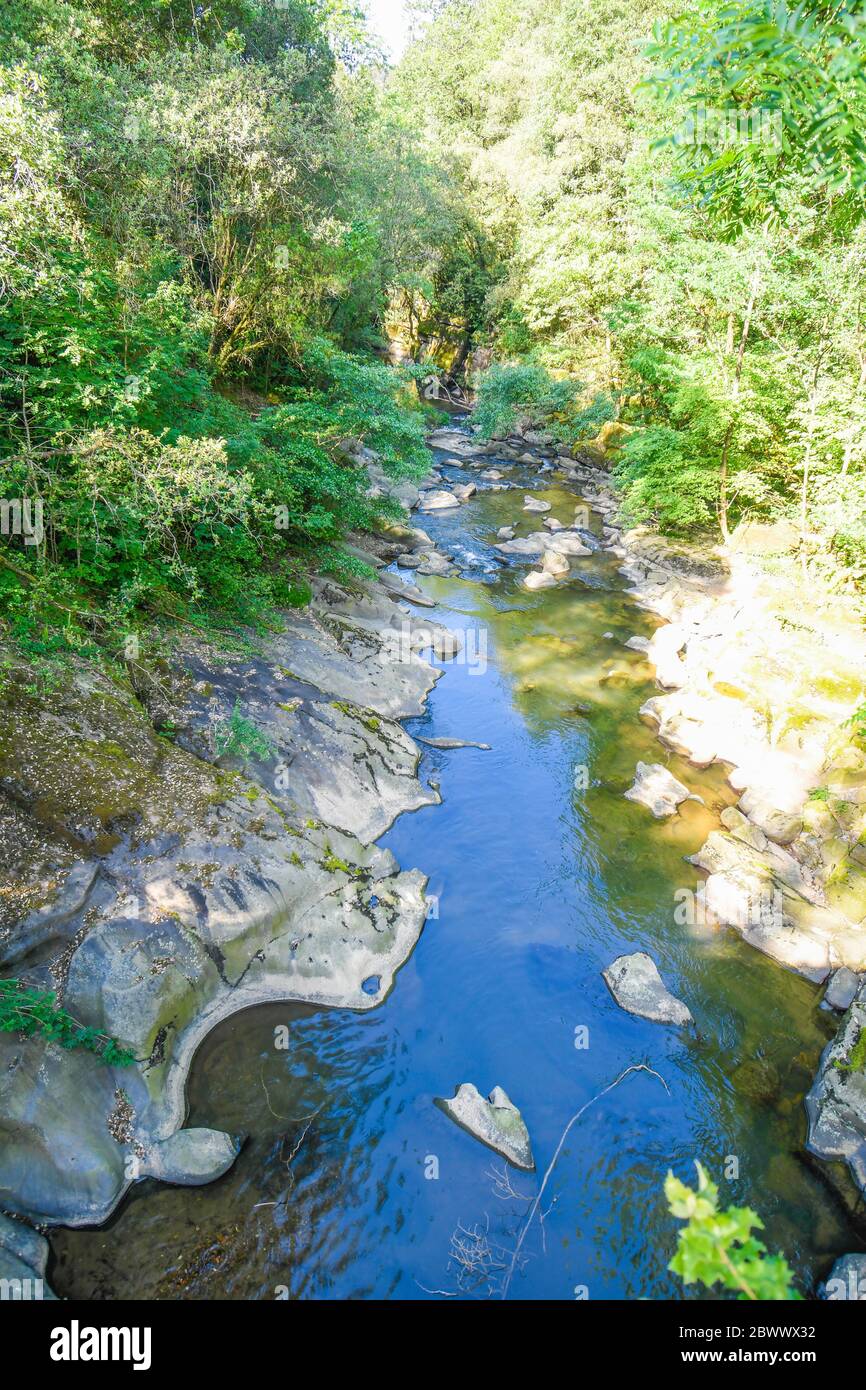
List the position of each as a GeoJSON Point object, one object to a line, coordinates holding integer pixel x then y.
{"type": "Point", "coordinates": [453, 743]}
{"type": "Point", "coordinates": [637, 986]}
{"type": "Point", "coordinates": [505, 533]}
{"type": "Point", "coordinates": [539, 579]}
{"type": "Point", "coordinates": [659, 790]}
{"type": "Point", "coordinates": [495, 1121]}
{"type": "Point", "coordinates": [555, 563]}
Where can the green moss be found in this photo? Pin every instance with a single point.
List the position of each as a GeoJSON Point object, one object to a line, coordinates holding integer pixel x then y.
{"type": "Point", "coordinates": [856, 1060]}
{"type": "Point", "coordinates": [366, 717]}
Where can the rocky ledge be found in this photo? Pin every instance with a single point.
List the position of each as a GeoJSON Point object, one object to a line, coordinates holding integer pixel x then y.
{"type": "Point", "coordinates": [180, 843]}
{"type": "Point", "coordinates": [762, 674]}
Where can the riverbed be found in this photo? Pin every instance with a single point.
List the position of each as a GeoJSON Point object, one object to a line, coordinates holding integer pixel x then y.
{"type": "Point", "coordinates": [351, 1183]}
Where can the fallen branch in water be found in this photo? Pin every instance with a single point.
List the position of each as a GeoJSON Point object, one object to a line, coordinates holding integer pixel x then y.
{"type": "Point", "coordinates": [638, 1066]}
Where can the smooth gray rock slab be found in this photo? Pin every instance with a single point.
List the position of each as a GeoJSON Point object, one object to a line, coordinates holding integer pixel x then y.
{"type": "Point", "coordinates": [193, 1157]}
{"type": "Point", "coordinates": [438, 501]}
{"type": "Point", "coordinates": [534, 504]}
{"type": "Point", "coordinates": [777, 825]}
{"type": "Point", "coordinates": [637, 986]}
{"type": "Point", "coordinates": [495, 1121]}
{"type": "Point", "coordinates": [842, 988]}
{"type": "Point", "coordinates": [658, 790]}
{"type": "Point", "coordinates": [27, 1245]}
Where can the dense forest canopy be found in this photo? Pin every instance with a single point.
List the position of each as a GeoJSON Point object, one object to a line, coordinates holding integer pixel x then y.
{"type": "Point", "coordinates": [216, 218]}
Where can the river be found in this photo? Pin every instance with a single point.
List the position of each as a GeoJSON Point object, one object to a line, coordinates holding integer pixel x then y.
{"type": "Point", "coordinates": [352, 1184]}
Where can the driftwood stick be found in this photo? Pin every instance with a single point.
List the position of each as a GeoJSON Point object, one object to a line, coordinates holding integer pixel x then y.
{"type": "Point", "coordinates": [638, 1066]}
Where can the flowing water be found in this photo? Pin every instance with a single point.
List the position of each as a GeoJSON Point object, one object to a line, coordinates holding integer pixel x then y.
{"type": "Point", "coordinates": [352, 1183]}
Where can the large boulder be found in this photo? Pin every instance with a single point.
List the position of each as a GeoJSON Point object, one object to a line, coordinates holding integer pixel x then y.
{"type": "Point", "coordinates": [438, 501]}
{"type": "Point", "coordinates": [637, 986]}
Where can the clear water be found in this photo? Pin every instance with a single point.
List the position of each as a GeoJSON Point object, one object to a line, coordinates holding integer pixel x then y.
{"type": "Point", "coordinates": [352, 1183]}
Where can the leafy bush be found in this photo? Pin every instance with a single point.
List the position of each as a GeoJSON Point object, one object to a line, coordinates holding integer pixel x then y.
{"type": "Point", "coordinates": [719, 1248]}
{"type": "Point", "coordinates": [239, 737]}
{"type": "Point", "coordinates": [34, 1012]}
{"type": "Point", "coordinates": [526, 391]}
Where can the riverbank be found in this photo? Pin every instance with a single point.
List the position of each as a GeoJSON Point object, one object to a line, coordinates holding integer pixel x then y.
{"type": "Point", "coordinates": [764, 677]}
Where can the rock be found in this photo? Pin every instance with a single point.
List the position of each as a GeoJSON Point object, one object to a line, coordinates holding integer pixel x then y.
{"type": "Point", "coordinates": [842, 989]}
{"type": "Point", "coordinates": [439, 501]}
{"type": "Point", "coordinates": [523, 545]}
{"type": "Point", "coordinates": [192, 1157]}
{"type": "Point", "coordinates": [533, 504]}
{"type": "Point", "coordinates": [539, 579]}
{"type": "Point", "coordinates": [847, 1280]}
{"type": "Point", "coordinates": [836, 1104]}
{"type": "Point", "coordinates": [464, 491]}
{"type": "Point", "coordinates": [436, 564]}
{"type": "Point", "coordinates": [505, 533]}
{"type": "Point", "coordinates": [27, 1245]}
{"type": "Point", "coordinates": [381, 485]}
{"type": "Point", "coordinates": [758, 1079]}
{"type": "Point", "coordinates": [638, 644]}
{"type": "Point", "coordinates": [659, 790]}
{"type": "Point", "coordinates": [202, 894]}
{"type": "Point", "coordinates": [23, 1262]}
{"type": "Point", "coordinates": [453, 743]}
{"type": "Point", "coordinates": [555, 563]}
{"type": "Point", "coordinates": [637, 986]}
{"type": "Point", "coordinates": [492, 475]}
{"type": "Point", "coordinates": [411, 592]}
{"type": "Point", "coordinates": [410, 561]}
{"type": "Point", "coordinates": [552, 524]}
{"type": "Point", "coordinates": [778, 826]}
{"type": "Point", "coordinates": [495, 1121]}
{"type": "Point", "coordinates": [564, 542]}
{"type": "Point", "coordinates": [742, 828]}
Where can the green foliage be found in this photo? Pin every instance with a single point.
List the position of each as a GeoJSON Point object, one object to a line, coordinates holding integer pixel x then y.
{"type": "Point", "coordinates": [719, 1248]}
{"type": "Point", "coordinates": [34, 1012]}
{"type": "Point", "coordinates": [857, 722]}
{"type": "Point", "coordinates": [773, 94]}
{"type": "Point", "coordinates": [523, 391]}
{"type": "Point", "coordinates": [857, 1058]}
{"type": "Point", "coordinates": [205, 211]}
{"type": "Point", "coordinates": [239, 737]}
